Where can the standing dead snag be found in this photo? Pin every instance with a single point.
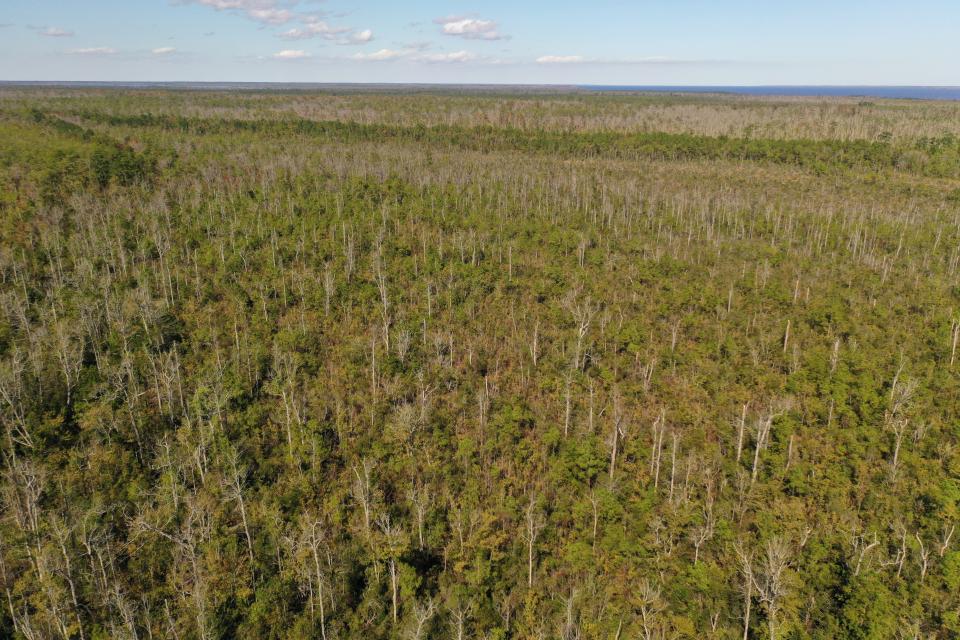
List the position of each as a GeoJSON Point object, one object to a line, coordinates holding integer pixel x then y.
{"type": "Point", "coordinates": [651, 605]}
{"type": "Point", "coordinates": [69, 351]}
{"type": "Point", "coordinates": [310, 542]}
{"type": "Point", "coordinates": [763, 425]}
{"type": "Point", "coordinates": [419, 497]}
{"type": "Point", "coordinates": [535, 344]}
{"type": "Point", "coordinates": [954, 337]}
{"type": "Point", "coordinates": [460, 615]}
{"type": "Point", "coordinates": [618, 430]}
{"type": "Point", "coordinates": [393, 541]}
{"type": "Point", "coordinates": [659, 429]}
{"type": "Point", "coordinates": [770, 580]}
{"type": "Point", "coordinates": [901, 395]}
{"type": "Point", "coordinates": [899, 428]}
{"type": "Point", "coordinates": [746, 572]}
{"type": "Point", "coordinates": [233, 486]}
{"type": "Point", "coordinates": [534, 522]}
{"type": "Point", "coordinates": [742, 427]}
{"type": "Point", "coordinates": [385, 317]}
{"type": "Point", "coordinates": [194, 533]}
{"type": "Point", "coordinates": [861, 547]}
{"type": "Point", "coordinates": [763, 432]}
{"type": "Point", "coordinates": [422, 614]}
{"type": "Point", "coordinates": [705, 531]}
{"type": "Point", "coordinates": [285, 383]}
{"type": "Point", "coordinates": [835, 356]}
{"type": "Point", "coordinates": [583, 312]}
{"type": "Point", "coordinates": [674, 443]}
{"type": "Point", "coordinates": [945, 542]}
{"type": "Point", "coordinates": [363, 491]}
{"type": "Point", "coordinates": [924, 556]}
{"type": "Point", "coordinates": [61, 534]}
{"type": "Point", "coordinates": [12, 390]}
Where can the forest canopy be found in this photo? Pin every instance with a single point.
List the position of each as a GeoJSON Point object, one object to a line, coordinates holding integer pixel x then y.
{"type": "Point", "coordinates": [486, 365]}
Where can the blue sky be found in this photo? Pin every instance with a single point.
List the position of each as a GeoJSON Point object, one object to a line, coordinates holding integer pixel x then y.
{"type": "Point", "coordinates": [725, 42]}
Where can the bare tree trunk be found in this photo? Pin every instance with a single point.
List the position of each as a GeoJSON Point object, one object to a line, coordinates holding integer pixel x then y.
{"type": "Point", "coordinates": [316, 564]}
{"type": "Point", "coordinates": [393, 587]}
{"type": "Point", "coordinates": [740, 431]}
{"type": "Point", "coordinates": [534, 524]}
{"type": "Point", "coordinates": [673, 462]}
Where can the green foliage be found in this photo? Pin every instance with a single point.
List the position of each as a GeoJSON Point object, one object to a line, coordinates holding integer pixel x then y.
{"type": "Point", "coordinates": [937, 157]}
{"type": "Point", "coordinates": [476, 366]}
{"type": "Point", "coordinates": [869, 610]}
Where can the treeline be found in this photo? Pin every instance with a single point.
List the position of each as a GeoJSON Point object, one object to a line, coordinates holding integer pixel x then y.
{"type": "Point", "coordinates": [938, 157]}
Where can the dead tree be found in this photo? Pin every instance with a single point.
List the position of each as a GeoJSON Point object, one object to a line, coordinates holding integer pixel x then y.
{"type": "Point", "coordinates": [741, 428]}
{"type": "Point", "coordinates": [583, 312]}
{"type": "Point", "coordinates": [659, 429]}
{"type": "Point", "coordinates": [392, 540]}
{"type": "Point", "coordinates": [234, 486]}
{"type": "Point", "coordinates": [945, 542]}
{"type": "Point", "coordinates": [675, 443]}
{"type": "Point", "coordinates": [362, 491]}
{"type": "Point", "coordinates": [861, 547]}
{"type": "Point", "coordinates": [955, 336]}
{"type": "Point", "coordinates": [651, 605]}
{"type": "Point", "coordinates": [924, 556]}
{"type": "Point", "coordinates": [385, 317]}
{"type": "Point", "coordinates": [12, 392]}
{"type": "Point", "coordinates": [419, 498]}
{"type": "Point", "coordinates": [746, 572]}
{"type": "Point", "coordinates": [618, 430]}
{"type": "Point", "coordinates": [422, 614]}
{"type": "Point", "coordinates": [901, 395]}
{"type": "Point", "coordinates": [705, 531]}
{"type": "Point", "coordinates": [534, 522]}
{"type": "Point", "coordinates": [459, 616]}
{"type": "Point", "coordinates": [763, 425]}
{"type": "Point", "coordinates": [769, 580]}
{"type": "Point", "coordinates": [61, 535]}
{"type": "Point", "coordinates": [312, 540]}
{"type": "Point", "coordinates": [899, 428]}
{"type": "Point", "coordinates": [194, 532]}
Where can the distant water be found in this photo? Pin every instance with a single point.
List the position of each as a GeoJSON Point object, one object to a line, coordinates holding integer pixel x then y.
{"type": "Point", "coordinates": [909, 93]}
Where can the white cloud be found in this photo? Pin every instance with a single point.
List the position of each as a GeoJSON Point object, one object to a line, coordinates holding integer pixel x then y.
{"type": "Point", "coordinates": [162, 51]}
{"type": "Point", "coordinates": [314, 28]}
{"type": "Point", "coordinates": [414, 54]}
{"type": "Point", "coordinates": [361, 37]}
{"type": "Point", "coordinates": [271, 16]}
{"type": "Point", "coordinates": [265, 11]}
{"type": "Point", "coordinates": [281, 12]}
{"type": "Point", "coordinates": [379, 56]}
{"type": "Point", "coordinates": [456, 56]}
{"type": "Point", "coordinates": [94, 51]}
{"type": "Point", "coordinates": [296, 34]}
{"type": "Point", "coordinates": [55, 32]}
{"type": "Point", "coordinates": [559, 59]}
{"type": "Point", "coordinates": [470, 28]}
{"type": "Point", "coordinates": [290, 54]}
